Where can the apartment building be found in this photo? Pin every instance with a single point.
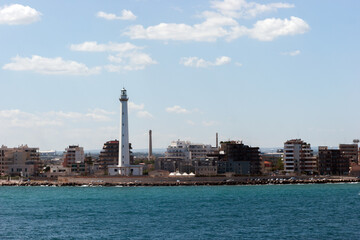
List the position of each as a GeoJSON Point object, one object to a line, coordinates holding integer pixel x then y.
{"type": "Point", "coordinates": [20, 161]}
{"type": "Point", "coordinates": [298, 157]}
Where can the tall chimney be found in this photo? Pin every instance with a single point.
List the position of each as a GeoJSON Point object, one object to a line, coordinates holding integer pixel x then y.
{"type": "Point", "coordinates": [217, 140]}
{"type": "Point", "coordinates": [150, 144]}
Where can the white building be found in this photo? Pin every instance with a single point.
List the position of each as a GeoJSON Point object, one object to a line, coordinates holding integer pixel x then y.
{"type": "Point", "coordinates": [124, 168]}
{"type": "Point", "coordinates": [298, 157]}
{"type": "Point", "coordinates": [188, 151]}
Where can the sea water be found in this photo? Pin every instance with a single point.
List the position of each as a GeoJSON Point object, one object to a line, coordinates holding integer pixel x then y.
{"type": "Point", "coordinates": [324, 211]}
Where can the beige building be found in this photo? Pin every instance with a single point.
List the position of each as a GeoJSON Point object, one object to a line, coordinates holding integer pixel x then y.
{"type": "Point", "coordinates": [73, 156]}
{"type": "Point", "coordinates": [21, 161]}
{"type": "Point", "coordinates": [298, 157]}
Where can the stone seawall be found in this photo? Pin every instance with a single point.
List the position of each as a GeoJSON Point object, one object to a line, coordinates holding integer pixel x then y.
{"type": "Point", "coordinates": [174, 181]}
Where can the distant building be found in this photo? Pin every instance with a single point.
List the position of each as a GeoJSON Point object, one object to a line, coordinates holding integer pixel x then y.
{"type": "Point", "coordinates": [109, 155]}
{"type": "Point", "coordinates": [186, 157]}
{"type": "Point", "coordinates": [298, 157]}
{"type": "Point", "coordinates": [350, 151]}
{"type": "Point", "coordinates": [188, 151]}
{"type": "Point", "coordinates": [57, 170]}
{"type": "Point", "coordinates": [20, 161]}
{"type": "Point", "coordinates": [333, 162]}
{"type": "Point", "coordinates": [206, 167]}
{"type": "Point", "coordinates": [238, 158]}
{"type": "Point", "coordinates": [73, 155]}
{"type": "Point", "coordinates": [270, 162]}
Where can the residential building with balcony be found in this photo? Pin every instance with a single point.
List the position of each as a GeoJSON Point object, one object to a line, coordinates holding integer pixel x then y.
{"type": "Point", "coordinates": [20, 161]}
{"type": "Point", "coordinates": [237, 158]}
{"type": "Point", "coordinates": [299, 158]}
{"type": "Point", "coordinates": [350, 151]}
{"type": "Point", "coordinates": [333, 162]}
{"type": "Point", "coordinates": [73, 155]}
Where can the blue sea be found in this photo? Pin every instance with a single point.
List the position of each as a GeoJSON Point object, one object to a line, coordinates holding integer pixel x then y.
{"type": "Point", "coordinates": [324, 211]}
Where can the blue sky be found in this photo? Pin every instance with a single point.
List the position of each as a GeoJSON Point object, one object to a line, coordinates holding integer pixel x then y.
{"type": "Point", "coordinates": [258, 71]}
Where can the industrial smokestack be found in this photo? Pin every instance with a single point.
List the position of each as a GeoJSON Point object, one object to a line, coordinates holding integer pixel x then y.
{"type": "Point", "coordinates": [217, 140]}
{"type": "Point", "coordinates": [150, 145]}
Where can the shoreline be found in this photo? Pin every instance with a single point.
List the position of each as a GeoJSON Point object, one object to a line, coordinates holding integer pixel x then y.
{"type": "Point", "coordinates": [168, 181]}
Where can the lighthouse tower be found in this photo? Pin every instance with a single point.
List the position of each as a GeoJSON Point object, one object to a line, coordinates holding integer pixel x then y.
{"type": "Point", "coordinates": [123, 167]}
{"type": "Point", "coordinates": [124, 153]}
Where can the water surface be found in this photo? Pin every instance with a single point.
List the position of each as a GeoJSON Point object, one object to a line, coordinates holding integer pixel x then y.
{"type": "Point", "coordinates": [324, 211]}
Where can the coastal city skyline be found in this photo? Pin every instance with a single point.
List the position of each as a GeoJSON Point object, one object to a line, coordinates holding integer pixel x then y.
{"type": "Point", "coordinates": [258, 71]}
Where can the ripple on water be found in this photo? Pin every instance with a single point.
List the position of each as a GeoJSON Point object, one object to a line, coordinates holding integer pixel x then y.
{"type": "Point", "coordinates": [199, 212]}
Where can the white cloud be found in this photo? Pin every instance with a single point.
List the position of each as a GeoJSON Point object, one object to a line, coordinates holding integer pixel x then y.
{"type": "Point", "coordinates": [292, 53]}
{"type": "Point", "coordinates": [125, 15]}
{"type": "Point", "coordinates": [95, 47]}
{"type": "Point", "coordinates": [144, 114]}
{"type": "Point", "coordinates": [271, 28]}
{"type": "Point", "coordinates": [99, 115]}
{"type": "Point", "coordinates": [130, 61]}
{"type": "Point", "coordinates": [244, 9]}
{"type": "Point", "coordinates": [238, 64]}
{"type": "Point", "coordinates": [177, 109]}
{"type": "Point", "coordinates": [139, 109]}
{"type": "Point", "coordinates": [209, 30]}
{"type": "Point", "coordinates": [223, 24]}
{"type": "Point", "coordinates": [16, 14]}
{"type": "Point", "coordinates": [54, 66]}
{"type": "Point", "coordinates": [134, 106]}
{"type": "Point", "coordinates": [222, 60]}
{"type": "Point", "coordinates": [201, 63]}
{"type": "Point", "coordinates": [128, 57]}
{"type": "Point", "coordinates": [18, 118]}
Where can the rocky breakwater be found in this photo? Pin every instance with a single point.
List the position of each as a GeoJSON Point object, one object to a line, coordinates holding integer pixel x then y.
{"type": "Point", "coordinates": [195, 181]}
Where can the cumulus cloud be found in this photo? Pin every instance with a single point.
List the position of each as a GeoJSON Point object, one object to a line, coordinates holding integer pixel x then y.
{"type": "Point", "coordinates": [128, 57]}
{"type": "Point", "coordinates": [53, 66]}
{"type": "Point", "coordinates": [139, 109]}
{"type": "Point", "coordinates": [17, 14]}
{"type": "Point", "coordinates": [134, 106]}
{"type": "Point", "coordinates": [292, 53]}
{"type": "Point", "coordinates": [177, 109]}
{"type": "Point", "coordinates": [144, 114]}
{"type": "Point", "coordinates": [201, 63]}
{"type": "Point", "coordinates": [223, 24]}
{"type": "Point", "coordinates": [209, 30]}
{"type": "Point", "coordinates": [271, 28]}
{"type": "Point", "coordinates": [244, 9]}
{"type": "Point", "coordinates": [130, 61]}
{"type": "Point", "coordinates": [18, 118]}
{"type": "Point", "coordinates": [125, 15]}
{"type": "Point", "coordinates": [109, 47]}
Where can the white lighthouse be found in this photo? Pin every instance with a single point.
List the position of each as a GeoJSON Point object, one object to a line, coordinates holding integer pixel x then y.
{"type": "Point", "coordinates": [124, 153]}
{"type": "Point", "coordinates": [124, 168]}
